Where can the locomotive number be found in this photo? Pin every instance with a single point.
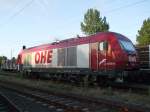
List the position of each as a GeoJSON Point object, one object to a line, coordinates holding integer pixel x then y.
{"type": "Point", "coordinates": [43, 57]}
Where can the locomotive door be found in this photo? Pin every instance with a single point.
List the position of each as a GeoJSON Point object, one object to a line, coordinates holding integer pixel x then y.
{"type": "Point", "coordinates": [94, 56]}
{"type": "Point", "coordinates": [102, 55]}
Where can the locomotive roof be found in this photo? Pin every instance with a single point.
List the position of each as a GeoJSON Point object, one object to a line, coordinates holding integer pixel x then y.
{"type": "Point", "coordinates": [77, 39]}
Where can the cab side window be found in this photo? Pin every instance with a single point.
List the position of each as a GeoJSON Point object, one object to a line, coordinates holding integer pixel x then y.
{"type": "Point", "coordinates": [103, 46]}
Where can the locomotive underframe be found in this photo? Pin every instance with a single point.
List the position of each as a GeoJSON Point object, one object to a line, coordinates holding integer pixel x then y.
{"type": "Point", "coordinates": [77, 75]}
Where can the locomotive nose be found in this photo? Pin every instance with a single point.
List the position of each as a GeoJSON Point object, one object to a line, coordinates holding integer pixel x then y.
{"type": "Point", "coordinates": [132, 58]}
{"type": "Point", "coordinates": [132, 61]}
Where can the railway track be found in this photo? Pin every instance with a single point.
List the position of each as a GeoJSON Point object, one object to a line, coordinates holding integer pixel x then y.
{"type": "Point", "coordinates": [28, 103]}
{"type": "Point", "coordinates": [125, 87]}
{"type": "Point", "coordinates": [6, 105]}
{"type": "Point", "coordinates": [75, 103]}
{"type": "Point", "coordinates": [59, 102]}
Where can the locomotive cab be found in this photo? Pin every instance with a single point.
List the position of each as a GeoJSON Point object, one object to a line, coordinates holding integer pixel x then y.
{"type": "Point", "coordinates": [130, 54]}
{"type": "Point", "coordinates": [113, 56]}
{"type": "Point", "coordinates": [113, 52]}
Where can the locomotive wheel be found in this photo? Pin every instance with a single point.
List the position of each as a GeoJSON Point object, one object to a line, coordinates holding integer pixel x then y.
{"type": "Point", "coordinates": [91, 80]}
{"type": "Point", "coordinates": [102, 81]}
{"type": "Point", "coordinates": [24, 74]}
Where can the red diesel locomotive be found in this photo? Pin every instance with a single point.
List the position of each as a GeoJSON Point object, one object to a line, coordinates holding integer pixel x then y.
{"type": "Point", "coordinates": [105, 55]}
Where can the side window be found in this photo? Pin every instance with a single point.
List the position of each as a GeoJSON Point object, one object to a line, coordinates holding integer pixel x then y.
{"type": "Point", "coordinates": [103, 46]}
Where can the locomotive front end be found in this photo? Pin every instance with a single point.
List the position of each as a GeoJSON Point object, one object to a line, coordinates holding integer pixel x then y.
{"type": "Point", "coordinates": [130, 53]}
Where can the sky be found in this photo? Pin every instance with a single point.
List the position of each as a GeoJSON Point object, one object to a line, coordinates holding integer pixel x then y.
{"type": "Point", "coordinates": [35, 22]}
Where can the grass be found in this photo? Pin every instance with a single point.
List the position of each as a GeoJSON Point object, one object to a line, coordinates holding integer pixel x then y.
{"type": "Point", "coordinates": [83, 91]}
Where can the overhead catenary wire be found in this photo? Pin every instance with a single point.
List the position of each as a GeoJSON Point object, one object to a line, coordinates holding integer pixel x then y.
{"type": "Point", "coordinates": [17, 13]}
{"type": "Point", "coordinates": [44, 5]}
{"type": "Point", "coordinates": [118, 8]}
{"type": "Point", "coordinates": [15, 5]}
{"type": "Point", "coordinates": [125, 6]}
{"type": "Point", "coordinates": [107, 12]}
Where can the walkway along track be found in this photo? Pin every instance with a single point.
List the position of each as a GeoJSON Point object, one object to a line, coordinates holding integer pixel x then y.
{"type": "Point", "coordinates": [132, 87]}
{"type": "Point", "coordinates": [74, 103]}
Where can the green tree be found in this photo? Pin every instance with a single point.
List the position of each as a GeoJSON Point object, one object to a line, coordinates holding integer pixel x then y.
{"type": "Point", "coordinates": [143, 36]}
{"type": "Point", "coordinates": [2, 58]}
{"type": "Point", "coordinates": [93, 22]}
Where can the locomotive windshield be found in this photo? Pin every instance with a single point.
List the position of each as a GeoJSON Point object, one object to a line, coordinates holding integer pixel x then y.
{"type": "Point", "coordinates": [126, 45]}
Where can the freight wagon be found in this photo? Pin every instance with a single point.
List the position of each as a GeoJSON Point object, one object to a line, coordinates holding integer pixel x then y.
{"type": "Point", "coordinates": [9, 65]}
